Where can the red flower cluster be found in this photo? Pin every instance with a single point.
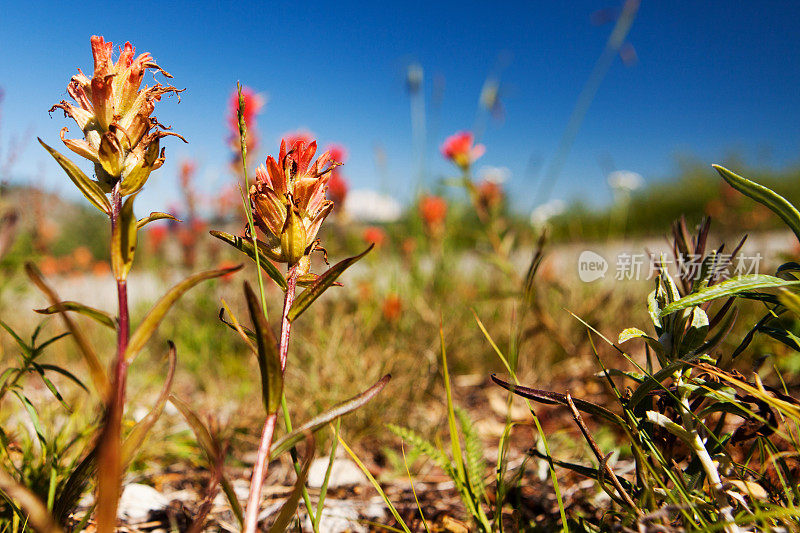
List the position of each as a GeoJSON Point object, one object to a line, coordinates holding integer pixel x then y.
{"type": "Point", "coordinates": [433, 210]}
{"type": "Point", "coordinates": [459, 149]}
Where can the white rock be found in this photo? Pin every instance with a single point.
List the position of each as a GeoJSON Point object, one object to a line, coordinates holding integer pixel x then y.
{"type": "Point", "coordinates": [338, 516]}
{"type": "Point", "coordinates": [139, 501]}
{"type": "Point", "coordinates": [344, 473]}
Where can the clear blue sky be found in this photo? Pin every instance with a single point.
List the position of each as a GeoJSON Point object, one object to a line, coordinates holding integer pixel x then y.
{"type": "Point", "coordinates": [710, 77]}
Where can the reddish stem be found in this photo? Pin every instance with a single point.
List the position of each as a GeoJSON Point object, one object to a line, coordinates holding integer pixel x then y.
{"type": "Point", "coordinates": [259, 473]}
{"type": "Point", "coordinates": [286, 325]}
{"type": "Point", "coordinates": [110, 475]}
{"type": "Point", "coordinates": [262, 458]}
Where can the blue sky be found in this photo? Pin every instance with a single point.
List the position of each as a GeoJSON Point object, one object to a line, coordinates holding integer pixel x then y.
{"type": "Point", "coordinates": [711, 77]}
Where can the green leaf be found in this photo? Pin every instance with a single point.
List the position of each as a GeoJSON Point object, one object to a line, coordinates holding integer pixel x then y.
{"type": "Point", "coordinates": [152, 217]}
{"type": "Point", "coordinates": [96, 369]}
{"type": "Point", "coordinates": [729, 287]}
{"type": "Point", "coordinates": [139, 432]}
{"type": "Point", "coordinates": [159, 310]}
{"type": "Point", "coordinates": [774, 201]}
{"type": "Point", "coordinates": [269, 361]}
{"type": "Point", "coordinates": [246, 246]}
{"type": "Point", "coordinates": [95, 314]}
{"type": "Point", "coordinates": [654, 309]}
{"type": "Point", "coordinates": [290, 506]}
{"type": "Point", "coordinates": [790, 300]}
{"type": "Point", "coordinates": [697, 331]}
{"type": "Point", "coordinates": [635, 333]}
{"type": "Point", "coordinates": [425, 446]}
{"type": "Point", "coordinates": [123, 240]}
{"type": "Point", "coordinates": [90, 189]}
{"type": "Point", "coordinates": [289, 440]}
{"type": "Point", "coordinates": [327, 279]}
{"type": "Point", "coordinates": [64, 372]}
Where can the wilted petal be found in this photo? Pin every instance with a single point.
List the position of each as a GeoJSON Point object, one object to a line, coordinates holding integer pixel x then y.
{"type": "Point", "coordinates": [80, 147]}
{"type": "Point", "coordinates": [313, 226]}
{"type": "Point", "coordinates": [101, 100]}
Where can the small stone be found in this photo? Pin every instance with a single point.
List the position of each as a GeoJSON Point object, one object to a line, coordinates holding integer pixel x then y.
{"type": "Point", "coordinates": [139, 501]}
{"type": "Point", "coordinates": [344, 473]}
{"type": "Point", "coordinates": [338, 516]}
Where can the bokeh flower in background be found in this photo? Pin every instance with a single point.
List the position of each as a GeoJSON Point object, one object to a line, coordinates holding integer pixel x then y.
{"type": "Point", "coordinates": [375, 235]}
{"type": "Point", "coordinates": [433, 210]}
{"type": "Point", "coordinates": [461, 150]}
{"type": "Point", "coordinates": [392, 307]}
{"type": "Point", "coordinates": [337, 185]}
{"type": "Point", "coordinates": [253, 104]}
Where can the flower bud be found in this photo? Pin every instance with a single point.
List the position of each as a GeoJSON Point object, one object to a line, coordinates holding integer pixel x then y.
{"type": "Point", "coordinates": [293, 237]}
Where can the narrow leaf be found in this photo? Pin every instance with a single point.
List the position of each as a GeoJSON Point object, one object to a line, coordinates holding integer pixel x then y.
{"type": "Point", "coordinates": [96, 369]}
{"type": "Point", "coordinates": [152, 217]}
{"type": "Point", "coordinates": [246, 246]}
{"type": "Point", "coordinates": [159, 310]}
{"type": "Point", "coordinates": [774, 201]}
{"type": "Point", "coordinates": [289, 440]}
{"type": "Point", "coordinates": [729, 287]}
{"type": "Point", "coordinates": [554, 398]}
{"type": "Point", "coordinates": [269, 362]}
{"type": "Point", "coordinates": [90, 189]}
{"type": "Point", "coordinates": [95, 314]}
{"type": "Point", "coordinates": [139, 432]}
{"type": "Point", "coordinates": [327, 279]}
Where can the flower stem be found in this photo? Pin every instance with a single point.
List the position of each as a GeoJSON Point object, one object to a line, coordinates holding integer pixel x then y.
{"type": "Point", "coordinates": [109, 446]}
{"type": "Point", "coordinates": [259, 473]}
{"type": "Point", "coordinates": [286, 324]}
{"type": "Point", "coordinates": [262, 458]}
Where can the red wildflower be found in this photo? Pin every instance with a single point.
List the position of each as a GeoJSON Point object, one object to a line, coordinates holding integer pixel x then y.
{"type": "Point", "coordinates": [459, 149]}
{"type": "Point", "coordinates": [392, 307]}
{"type": "Point", "coordinates": [337, 186]}
{"type": "Point", "coordinates": [375, 235]}
{"type": "Point", "coordinates": [156, 236]}
{"type": "Point", "coordinates": [303, 136]}
{"type": "Point", "coordinates": [288, 200]}
{"type": "Point", "coordinates": [433, 210]}
{"type": "Point", "coordinates": [115, 114]}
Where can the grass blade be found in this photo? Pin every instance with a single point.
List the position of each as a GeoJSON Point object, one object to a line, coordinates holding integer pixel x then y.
{"type": "Point", "coordinates": [96, 369]}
